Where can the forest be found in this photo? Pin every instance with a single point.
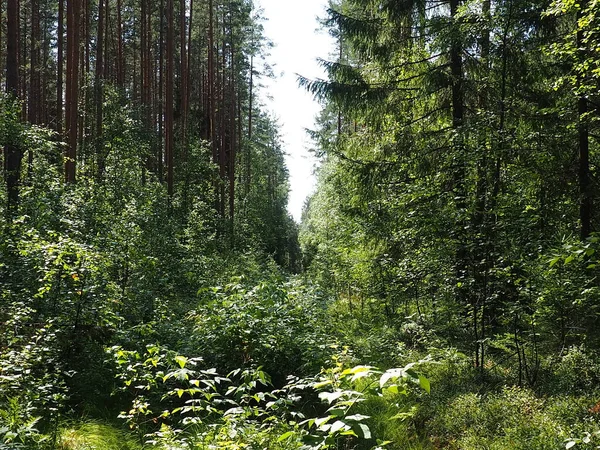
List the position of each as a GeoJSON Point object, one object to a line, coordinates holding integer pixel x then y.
{"type": "Point", "coordinates": [440, 292]}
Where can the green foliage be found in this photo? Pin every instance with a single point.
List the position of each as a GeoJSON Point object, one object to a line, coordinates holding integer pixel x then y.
{"type": "Point", "coordinates": [576, 371]}
{"type": "Point", "coordinates": [11, 128]}
{"type": "Point", "coordinates": [175, 402]}
{"type": "Point", "coordinates": [271, 324]}
{"type": "Point", "coordinates": [113, 260]}
{"type": "Point", "coordinates": [443, 224]}
{"type": "Point", "coordinates": [18, 425]}
{"type": "Point", "coordinates": [512, 418]}
{"type": "Point", "coordinates": [346, 390]}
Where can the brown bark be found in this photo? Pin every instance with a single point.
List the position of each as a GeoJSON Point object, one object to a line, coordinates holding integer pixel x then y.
{"type": "Point", "coordinates": [184, 75]}
{"type": "Point", "coordinates": [60, 66]}
{"type": "Point", "coordinates": [87, 32]}
{"type": "Point", "coordinates": [24, 51]}
{"type": "Point", "coordinates": [99, 71]}
{"type": "Point", "coordinates": [72, 88]}
{"type": "Point", "coordinates": [161, 77]}
{"type": "Point", "coordinates": [44, 64]}
{"type": "Point", "coordinates": [169, 138]}
{"type": "Point", "coordinates": [2, 44]}
{"type": "Point", "coordinates": [145, 75]}
{"type": "Point", "coordinates": [33, 105]}
{"type": "Point", "coordinates": [120, 54]}
{"type": "Point", "coordinates": [459, 173]}
{"type": "Point", "coordinates": [211, 80]}
{"type": "Point", "coordinates": [106, 68]}
{"type": "Point", "coordinates": [232, 142]}
{"type": "Point", "coordinates": [34, 64]}
{"type": "Point", "coordinates": [189, 62]}
{"type": "Point", "coordinates": [12, 154]}
{"type": "Point", "coordinates": [221, 124]}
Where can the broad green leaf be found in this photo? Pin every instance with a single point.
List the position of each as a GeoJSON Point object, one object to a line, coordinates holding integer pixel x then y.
{"type": "Point", "coordinates": [337, 426]}
{"type": "Point", "coordinates": [357, 417]}
{"type": "Point", "coordinates": [322, 384]}
{"type": "Point", "coordinates": [424, 383]}
{"type": "Point", "coordinates": [330, 397]}
{"type": "Point", "coordinates": [285, 435]}
{"type": "Point", "coordinates": [336, 412]}
{"type": "Point", "coordinates": [321, 420]}
{"type": "Point", "coordinates": [363, 430]}
{"type": "Point", "coordinates": [181, 360]}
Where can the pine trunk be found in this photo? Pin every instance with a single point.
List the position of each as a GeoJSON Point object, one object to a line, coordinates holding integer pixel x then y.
{"type": "Point", "coordinates": [12, 154]}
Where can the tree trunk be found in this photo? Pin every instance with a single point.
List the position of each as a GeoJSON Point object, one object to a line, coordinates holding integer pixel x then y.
{"type": "Point", "coordinates": [73, 23]}
{"type": "Point", "coordinates": [585, 184]}
{"type": "Point", "coordinates": [2, 44]}
{"type": "Point", "coordinates": [161, 77]}
{"type": "Point", "coordinates": [12, 154]}
{"type": "Point", "coordinates": [33, 108]}
{"type": "Point", "coordinates": [99, 71]}
{"type": "Point", "coordinates": [120, 55]}
{"type": "Point", "coordinates": [183, 77]}
{"type": "Point", "coordinates": [169, 141]}
{"type": "Point", "coordinates": [60, 66]}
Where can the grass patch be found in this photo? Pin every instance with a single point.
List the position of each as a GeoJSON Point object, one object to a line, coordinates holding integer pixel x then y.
{"type": "Point", "coordinates": [95, 436]}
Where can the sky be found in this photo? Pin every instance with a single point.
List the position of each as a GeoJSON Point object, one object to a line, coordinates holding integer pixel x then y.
{"type": "Point", "coordinates": [293, 27]}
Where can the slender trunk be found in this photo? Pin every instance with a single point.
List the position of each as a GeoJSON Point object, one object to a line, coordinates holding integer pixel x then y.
{"type": "Point", "coordinates": [83, 111]}
{"type": "Point", "coordinates": [339, 113]}
{"type": "Point", "coordinates": [2, 44]}
{"type": "Point", "coordinates": [23, 50]}
{"type": "Point", "coordinates": [87, 35]}
{"type": "Point", "coordinates": [33, 107]}
{"type": "Point", "coordinates": [183, 76]}
{"type": "Point", "coordinates": [585, 206]}
{"type": "Point", "coordinates": [99, 91]}
{"type": "Point", "coordinates": [34, 66]}
{"type": "Point", "coordinates": [251, 97]}
{"type": "Point", "coordinates": [248, 158]}
{"type": "Point", "coordinates": [169, 141]}
{"type": "Point", "coordinates": [12, 154]}
{"type": "Point", "coordinates": [60, 66]}
{"type": "Point", "coordinates": [145, 56]}
{"type": "Point", "coordinates": [479, 250]}
{"type": "Point", "coordinates": [211, 81]}
{"type": "Point", "coordinates": [232, 131]}
{"type": "Point", "coordinates": [221, 126]}
{"type": "Point", "coordinates": [160, 91]}
{"type": "Point", "coordinates": [73, 24]}
{"type": "Point", "coordinates": [459, 172]}
{"type": "Point", "coordinates": [120, 57]}
{"type": "Point", "coordinates": [189, 65]}
{"type": "Point", "coordinates": [106, 68]}
{"type": "Point", "coordinates": [44, 64]}
{"type": "Point", "coordinates": [186, 105]}
{"type": "Point", "coordinates": [585, 195]}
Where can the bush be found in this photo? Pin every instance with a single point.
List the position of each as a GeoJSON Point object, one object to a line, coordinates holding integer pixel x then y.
{"type": "Point", "coordinates": [575, 372]}
{"type": "Point", "coordinates": [514, 418]}
{"type": "Point", "coordinates": [269, 325]}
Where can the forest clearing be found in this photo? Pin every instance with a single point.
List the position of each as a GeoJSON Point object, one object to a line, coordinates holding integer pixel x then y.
{"type": "Point", "coordinates": [440, 292]}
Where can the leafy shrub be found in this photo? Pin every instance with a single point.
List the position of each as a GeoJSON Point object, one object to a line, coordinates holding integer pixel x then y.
{"type": "Point", "coordinates": [576, 372]}
{"type": "Point", "coordinates": [269, 325]}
